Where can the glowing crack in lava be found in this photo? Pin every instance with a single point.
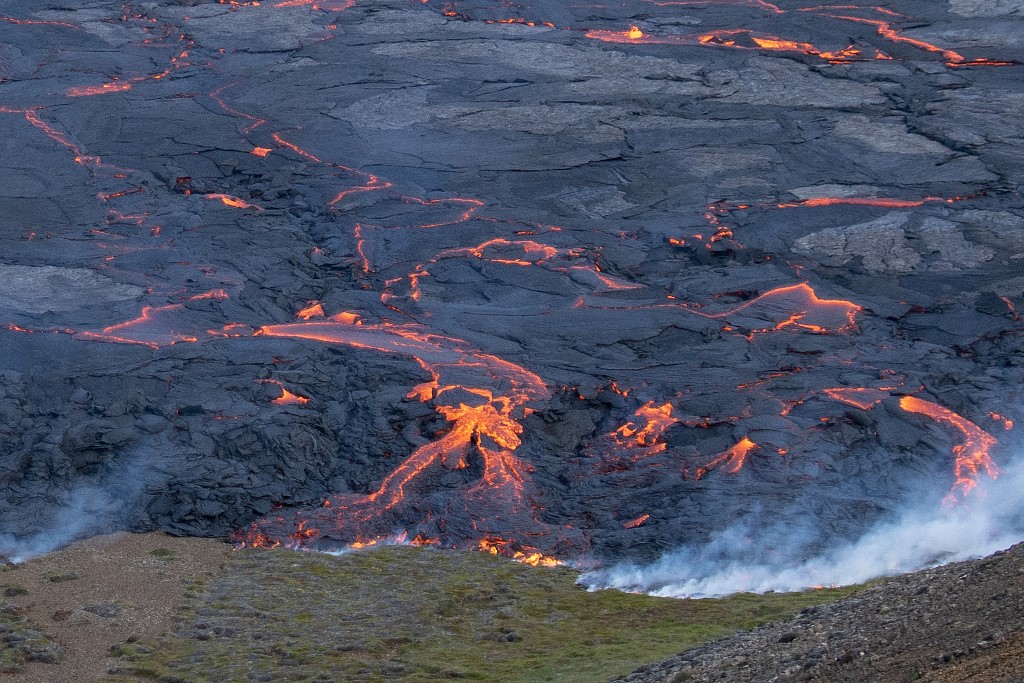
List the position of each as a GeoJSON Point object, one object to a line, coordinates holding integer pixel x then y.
{"type": "Point", "coordinates": [102, 89]}
{"type": "Point", "coordinates": [734, 38]}
{"type": "Point", "coordinates": [971, 456]}
{"type": "Point", "coordinates": [746, 39]}
{"type": "Point", "coordinates": [326, 5]}
{"type": "Point", "coordinates": [790, 307]}
{"type": "Point", "coordinates": [885, 29]}
{"type": "Point", "coordinates": [880, 202]}
{"type": "Point", "coordinates": [152, 328]}
{"type": "Point", "coordinates": [634, 523]}
{"type": "Point", "coordinates": [793, 306]}
{"type": "Point", "coordinates": [483, 422]}
{"type": "Point", "coordinates": [864, 398]}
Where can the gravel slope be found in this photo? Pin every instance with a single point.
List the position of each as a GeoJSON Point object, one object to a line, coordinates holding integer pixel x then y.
{"type": "Point", "coordinates": [959, 622]}
{"type": "Point", "coordinates": [97, 593]}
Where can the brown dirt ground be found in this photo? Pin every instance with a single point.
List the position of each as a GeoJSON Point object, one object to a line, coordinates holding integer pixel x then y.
{"type": "Point", "coordinates": [119, 570]}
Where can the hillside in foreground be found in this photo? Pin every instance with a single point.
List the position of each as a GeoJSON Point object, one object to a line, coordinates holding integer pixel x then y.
{"type": "Point", "coordinates": [151, 607]}
{"type": "Point", "coordinates": [130, 607]}
{"type": "Point", "coordinates": [962, 622]}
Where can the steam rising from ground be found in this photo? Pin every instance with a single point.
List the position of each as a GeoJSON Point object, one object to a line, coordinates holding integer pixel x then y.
{"type": "Point", "coordinates": [101, 504]}
{"type": "Point", "coordinates": [746, 558]}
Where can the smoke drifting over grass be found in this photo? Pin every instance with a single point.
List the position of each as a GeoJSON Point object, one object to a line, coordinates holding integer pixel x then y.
{"type": "Point", "coordinates": [746, 558]}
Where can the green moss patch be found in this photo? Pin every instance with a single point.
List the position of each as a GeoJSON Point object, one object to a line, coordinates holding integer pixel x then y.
{"type": "Point", "coordinates": [22, 641]}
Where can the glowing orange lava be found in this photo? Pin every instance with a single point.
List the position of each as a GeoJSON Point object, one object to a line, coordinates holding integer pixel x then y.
{"type": "Point", "coordinates": [881, 202]}
{"type": "Point", "coordinates": [859, 397]}
{"type": "Point", "coordinates": [741, 38]}
{"type": "Point", "coordinates": [481, 397]}
{"type": "Point", "coordinates": [254, 121]}
{"type": "Point", "coordinates": [646, 429]}
{"type": "Point", "coordinates": [329, 5]}
{"type": "Point", "coordinates": [795, 306]}
{"type": "Point", "coordinates": [148, 329]}
{"type": "Point", "coordinates": [40, 22]}
{"type": "Point", "coordinates": [483, 418]}
{"type": "Point", "coordinates": [971, 456]}
{"type": "Point", "coordinates": [745, 38]}
{"type": "Point", "coordinates": [1007, 422]}
{"type": "Point", "coordinates": [732, 459]}
{"type": "Point", "coordinates": [233, 202]}
{"type": "Point", "coordinates": [634, 523]}
{"type": "Point", "coordinates": [495, 545]}
{"type": "Point", "coordinates": [314, 310]}
{"type": "Point", "coordinates": [288, 398]}
{"type": "Point", "coordinates": [102, 89]}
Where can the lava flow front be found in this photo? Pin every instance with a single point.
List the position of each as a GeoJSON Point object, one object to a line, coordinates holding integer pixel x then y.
{"type": "Point", "coordinates": [483, 426]}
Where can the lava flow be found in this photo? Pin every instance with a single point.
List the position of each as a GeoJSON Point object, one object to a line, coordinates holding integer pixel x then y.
{"type": "Point", "coordinates": [483, 422]}
{"type": "Point", "coordinates": [864, 398]}
{"type": "Point", "coordinates": [748, 39]}
{"type": "Point", "coordinates": [644, 431]}
{"type": "Point", "coordinates": [794, 306]}
{"type": "Point", "coordinates": [880, 202]}
{"type": "Point", "coordinates": [731, 460]}
{"type": "Point", "coordinates": [334, 278]}
{"type": "Point", "coordinates": [972, 456]}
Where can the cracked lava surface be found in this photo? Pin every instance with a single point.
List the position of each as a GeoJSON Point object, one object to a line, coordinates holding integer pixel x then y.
{"type": "Point", "coordinates": [560, 282]}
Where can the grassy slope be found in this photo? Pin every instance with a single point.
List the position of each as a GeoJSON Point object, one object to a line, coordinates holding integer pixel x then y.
{"type": "Point", "coordinates": [412, 614]}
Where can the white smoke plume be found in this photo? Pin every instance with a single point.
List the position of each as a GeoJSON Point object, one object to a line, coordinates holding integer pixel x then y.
{"type": "Point", "coordinates": [101, 504]}
{"type": "Point", "coordinates": [749, 559]}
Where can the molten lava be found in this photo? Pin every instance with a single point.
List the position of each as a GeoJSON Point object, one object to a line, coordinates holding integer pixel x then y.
{"type": "Point", "coordinates": [314, 310]}
{"type": "Point", "coordinates": [152, 328]}
{"type": "Point", "coordinates": [102, 89]}
{"type": "Point", "coordinates": [233, 202]}
{"type": "Point", "coordinates": [1006, 422]}
{"type": "Point", "coordinates": [745, 38]}
{"type": "Point", "coordinates": [496, 545]}
{"type": "Point", "coordinates": [794, 306]}
{"type": "Point", "coordinates": [881, 202]}
{"type": "Point", "coordinates": [645, 430]}
{"type": "Point", "coordinates": [634, 523]}
{"type": "Point", "coordinates": [288, 398]}
{"type": "Point", "coordinates": [971, 456]}
{"type": "Point", "coordinates": [859, 397]}
{"type": "Point", "coordinates": [732, 459]}
{"type": "Point", "coordinates": [481, 399]}
{"type": "Point", "coordinates": [483, 420]}
{"type": "Point", "coordinates": [742, 38]}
